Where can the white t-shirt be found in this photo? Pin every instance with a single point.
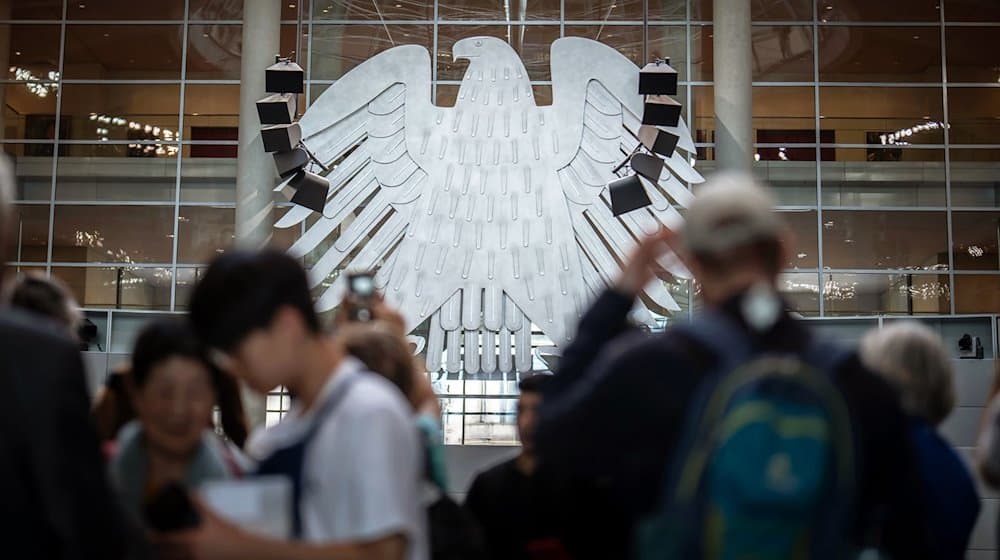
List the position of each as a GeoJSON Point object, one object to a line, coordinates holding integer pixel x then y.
{"type": "Point", "coordinates": [363, 468]}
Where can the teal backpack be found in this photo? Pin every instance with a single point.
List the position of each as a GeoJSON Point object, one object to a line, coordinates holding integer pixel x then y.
{"type": "Point", "coordinates": [766, 467]}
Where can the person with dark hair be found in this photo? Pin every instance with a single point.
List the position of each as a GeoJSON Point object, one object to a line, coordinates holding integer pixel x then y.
{"type": "Point", "coordinates": [174, 391]}
{"type": "Point", "coordinates": [349, 434]}
{"type": "Point", "coordinates": [113, 408]}
{"type": "Point", "coordinates": [523, 510]}
{"type": "Point", "coordinates": [49, 298]}
{"type": "Point", "coordinates": [57, 501]}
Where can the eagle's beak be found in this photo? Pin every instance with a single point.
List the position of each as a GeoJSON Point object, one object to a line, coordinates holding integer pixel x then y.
{"type": "Point", "coordinates": [465, 48]}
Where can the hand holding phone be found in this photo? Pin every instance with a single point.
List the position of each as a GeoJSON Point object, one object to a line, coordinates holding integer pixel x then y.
{"type": "Point", "coordinates": [171, 509]}
{"type": "Point", "coordinates": [361, 296]}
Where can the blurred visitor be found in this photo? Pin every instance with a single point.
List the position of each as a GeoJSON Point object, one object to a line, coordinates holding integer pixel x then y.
{"type": "Point", "coordinates": [174, 391]}
{"type": "Point", "coordinates": [914, 360]}
{"type": "Point", "coordinates": [620, 407]}
{"type": "Point", "coordinates": [49, 298]}
{"type": "Point", "coordinates": [349, 434]}
{"type": "Point", "coordinates": [522, 508]}
{"type": "Point", "coordinates": [113, 407]}
{"type": "Point", "coordinates": [57, 501]}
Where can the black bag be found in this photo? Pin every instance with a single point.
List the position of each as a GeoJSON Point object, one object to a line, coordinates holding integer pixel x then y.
{"type": "Point", "coordinates": [454, 534]}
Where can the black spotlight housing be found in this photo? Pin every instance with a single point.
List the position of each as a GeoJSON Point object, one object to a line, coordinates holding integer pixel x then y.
{"type": "Point", "coordinates": [281, 137]}
{"type": "Point", "coordinates": [661, 110]}
{"type": "Point", "coordinates": [278, 108]}
{"type": "Point", "coordinates": [628, 194]}
{"type": "Point", "coordinates": [284, 76]}
{"type": "Point", "coordinates": [648, 166]}
{"type": "Point", "coordinates": [658, 78]}
{"type": "Point", "coordinates": [288, 163]}
{"type": "Point", "coordinates": [658, 141]}
{"type": "Point", "coordinates": [311, 190]}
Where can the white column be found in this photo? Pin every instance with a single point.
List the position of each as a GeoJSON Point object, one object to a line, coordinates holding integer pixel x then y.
{"type": "Point", "coordinates": [733, 101]}
{"type": "Point", "coordinates": [255, 174]}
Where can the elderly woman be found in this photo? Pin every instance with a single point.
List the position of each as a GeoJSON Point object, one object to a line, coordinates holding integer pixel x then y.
{"type": "Point", "coordinates": [913, 358]}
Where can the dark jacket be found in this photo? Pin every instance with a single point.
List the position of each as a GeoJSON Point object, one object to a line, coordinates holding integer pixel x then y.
{"type": "Point", "coordinates": [55, 499]}
{"type": "Point", "coordinates": [616, 408]}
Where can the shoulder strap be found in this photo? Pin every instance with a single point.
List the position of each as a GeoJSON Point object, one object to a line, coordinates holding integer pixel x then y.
{"type": "Point", "coordinates": [327, 407]}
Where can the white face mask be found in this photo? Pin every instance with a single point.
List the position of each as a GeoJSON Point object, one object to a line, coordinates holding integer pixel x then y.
{"type": "Point", "coordinates": [760, 307]}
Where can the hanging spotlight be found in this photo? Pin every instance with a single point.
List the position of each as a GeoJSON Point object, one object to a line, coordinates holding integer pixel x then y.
{"type": "Point", "coordinates": [310, 189]}
{"type": "Point", "coordinates": [281, 137]}
{"type": "Point", "coordinates": [658, 141]}
{"type": "Point", "coordinates": [661, 110]}
{"type": "Point", "coordinates": [288, 163]}
{"type": "Point", "coordinates": [658, 78]}
{"type": "Point", "coordinates": [276, 109]}
{"type": "Point", "coordinates": [628, 194]}
{"type": "Point", "coordinates": [647, 166]}
{"type": "Point", "coordinates": [284, 76]}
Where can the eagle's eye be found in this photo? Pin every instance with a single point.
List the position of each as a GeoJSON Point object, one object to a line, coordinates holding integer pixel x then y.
{"type": "Point", "coordinates": [479, 43]}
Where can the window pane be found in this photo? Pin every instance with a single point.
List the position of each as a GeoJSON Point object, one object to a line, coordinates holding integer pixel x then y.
{"type": "Point", "coordinates": [204, 232]}
{"type": "Point", "coordinates": [29, 225]}
{"type": "Point", "coordinates": [975, 236]}
{"type": "Point", "coordinates": [602, 10]}
{"type": "Point", "coordinates": [879, 176]}
{"type": "Point", "coordinates": [626, 39]}
{"type": "Point", "coordinates": [211, 112]}
{"type": "Point", "coordinates": [109, 52]}
{"type": "Point", "coordinates": [515, 10]}
{"type": "Point", "coordinates": [208, 173]}
{"type": "Point", "coordinates": [802, 253]}
{"type": "Point", "coordinates": [532, 43]}
{"type": "Point", "coordinates": [801, 290]}
{"type": "Point", "coordinates": [34, 48]}
{"type": "Point", "coordinates": [880, 54]}
{"type": "Point", "coordinates": [29, 110]}
{"type": "Point", "coordinates": [113, 234]}
{"type": "Point", "coordinates": [214, 51]}
{"type": "Point", "coordinates": [863, 10]}
{"type": "Point", "coordinates": [971, 10]}
{"type": "Point", "coordinates": [873, 240]}
{"type": "Point", "coordinates": [118, 287]}
{"type": "Point", "coordinates": [126, 10]}
{"type": "Point", "coordinates": [187, 278]}
{"type": "Point", "coordinates": [860, 115]}
{"type": "Point", "coordinates": [977, 293]}
{"type": "Point", "coordinates": [792, 182]}
{"type": "Point", "coordinates": [782, 53]}
{"type": "Point", "coordinates": [373, 10]}
{"type": "Point", "coordinates": [215, 9]}
{"type": "Point", "coordinates": [973, 114]}
{"type": "Point", "coordinates": [897, 294]}
{"type": "Point", "coordinates": [337, 49]}
{"type": "Point", "coordinates": [974, 177]}
{"type": "Point", "coordinates": [36, 9]}
{"type": "Point", "coordinates": [33, 170]}
{"type": "Point", "coordinates": [779, 53]}
{"type": "Point", "coordinates": [763, 10]}
{"type": "Point", "coordinates": [145, 105]}
{"type": "Point", "coordinates": [784, 109]}
{"type": "Point", "coordinates": [117, 172]}
{"type": "Point", "coordinates": [669, 41]}
{"type": "Point", "coordinates": [968, 61]}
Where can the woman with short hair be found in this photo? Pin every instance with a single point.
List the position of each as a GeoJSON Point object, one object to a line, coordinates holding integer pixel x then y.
{"type": "Point", "coordinates": [913, 358]}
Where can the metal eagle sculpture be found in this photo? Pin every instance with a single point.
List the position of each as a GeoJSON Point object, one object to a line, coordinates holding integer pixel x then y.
{"type": "Point", "coordinates": [493, 215]}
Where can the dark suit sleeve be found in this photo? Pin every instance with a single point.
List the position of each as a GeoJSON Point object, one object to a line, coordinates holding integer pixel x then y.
{"type": "Point", "coordinates": [604, 321]}
{"type": "Point", "coordinates": [82, 507]}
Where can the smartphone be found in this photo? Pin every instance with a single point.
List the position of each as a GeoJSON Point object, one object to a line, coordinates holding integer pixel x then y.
{"type": "Point", "coordinates": [171, 509]}
{"type": "Point", "coordinates": [360, 296]}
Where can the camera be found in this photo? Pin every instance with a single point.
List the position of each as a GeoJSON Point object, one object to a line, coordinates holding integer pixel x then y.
{"type": "Point", "coordinates": [360, 296]}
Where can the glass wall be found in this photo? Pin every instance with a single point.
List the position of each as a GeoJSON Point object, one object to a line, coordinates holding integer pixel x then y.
{"type": "Point", "coordinates": [877, 124]}
{"type": "Point", "coordinates": [122, 120]}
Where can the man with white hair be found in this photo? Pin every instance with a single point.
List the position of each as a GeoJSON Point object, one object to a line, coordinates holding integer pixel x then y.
{"type": "Point", "coordinates": [621, 408]}
{"type": "Point", "coordinates": [56, 500]}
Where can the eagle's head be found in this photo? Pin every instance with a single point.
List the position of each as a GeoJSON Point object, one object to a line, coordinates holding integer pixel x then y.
{"type": "Point", "coordinates": [472, 48]}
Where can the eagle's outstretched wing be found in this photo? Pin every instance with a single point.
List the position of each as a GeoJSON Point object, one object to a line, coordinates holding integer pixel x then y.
{"type": "Point", "coordinates": [357, 127]}
{"type": "Point", "coordinates": [598, 108]}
